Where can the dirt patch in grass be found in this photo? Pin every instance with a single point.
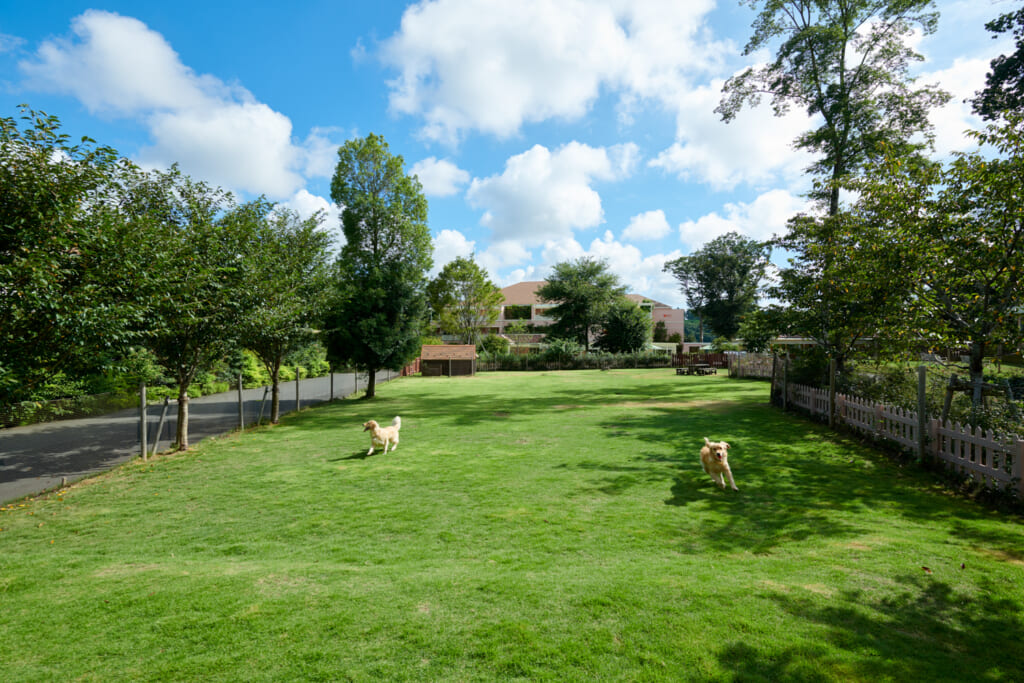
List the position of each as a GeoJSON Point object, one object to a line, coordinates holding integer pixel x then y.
{"type": "Point", "coordinates": [717, 406]}
{"type": "Point", "coordinates": [1013, 558]}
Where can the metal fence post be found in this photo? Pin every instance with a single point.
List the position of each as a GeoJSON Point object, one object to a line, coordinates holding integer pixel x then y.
{"type": "Point", "coordinates": [241, 406]}
{"type": "Point", "coordinates": [143, 422]}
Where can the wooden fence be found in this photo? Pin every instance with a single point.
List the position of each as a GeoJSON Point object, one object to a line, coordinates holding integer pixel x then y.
{"type": "Point", "coordinates": [994, 460]}
{"type": "Point", "coordinates": [758, 365]}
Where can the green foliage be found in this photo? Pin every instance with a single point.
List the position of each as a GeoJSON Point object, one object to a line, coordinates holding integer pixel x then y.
{"type": "Point", "coordinates": [69, 265]}
{"type": "Point", "coordinates": [200, 239]}
{"type": "Point", "coordinates": [832, 290]}
{"type": "Point", "coordinates": [494, 344]}
{"type": "Point", "coordinates": [375, 319]}
{"type": "Point", "coordinates": [757, 330]}
{"type": "Point", "coordinates": [1004, 83]}
{"type": "Point", "coordinates": [958, 235]}
{"type": "Point", "coordinates": [660, 331]}
{"type": "Point", "coordinates": [626, 329]}
{"type": "Point", "coordinates": [584, 290]}
{"type": "Point", "coordinates": [845, 64]}
{"type": "Point", "coordinates": [562, 350]}
{"type": "Point", "coordinates": [518, 312]}
{"type": "Point", "coordinates": [721, 281]}
{"type": "Point", "coordinates": [720, 344]}
{"type": "Point", "coordinates": [465, 299]}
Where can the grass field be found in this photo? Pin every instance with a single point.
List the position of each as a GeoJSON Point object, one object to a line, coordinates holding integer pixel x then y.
{"type": "Point", "coordinates": [542, 526]}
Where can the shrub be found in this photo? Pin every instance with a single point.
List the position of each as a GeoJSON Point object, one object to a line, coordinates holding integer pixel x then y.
{"type": "Point", "coordinates": [494, 344]}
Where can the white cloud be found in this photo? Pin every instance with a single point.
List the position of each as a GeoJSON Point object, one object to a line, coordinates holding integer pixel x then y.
{"type": "Point", "coordinates": [505, 254]}
{"type": "Point", "coordinates": [756, 148]}
{"type": "Point", "coordinates": [439, 177]}
{"type": "Point", "coordinates": [759, 219]}
{"type": "Point", "coordinates": [544, 195]}
{"type": "Point", "coordinates": [306, 204]}
{"type": "Point", "coordinates": [650, 225]}
{"type": "Point", "coordinates": [117, 66]}
{"type": "Point", "coordinates": [448, 246]}
{"type": "Point", "coordinates": [492, 66]}
{"type": "Point", "coordinates": [961, 80]}
{"type": "Point", "coordinates": [245, 146]}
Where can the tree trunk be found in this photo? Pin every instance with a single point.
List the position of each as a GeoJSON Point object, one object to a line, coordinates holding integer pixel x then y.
{"type": "Point", "coordinates": [275, 395]}
{"type": "Point", "coordinates": [181, 437]}
{"type": "Point", "coordinates": [977, 372]}
{"type": "Point", "coordinates": [371, 383]}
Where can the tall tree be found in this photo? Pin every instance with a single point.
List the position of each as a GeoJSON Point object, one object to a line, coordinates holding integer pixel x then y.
{"type": "Point", "coordinates": [626, 328]}
{"type": "Point", "coordinates": [842, 282]}
{"type": "Point", "coordinates": [288, 273]}
{"type": "Point", "coordinates": [845, 62]}
{"type": "Point", "coordinates": [584, 290]}
{"type": "Point", "coordinates": [67, 260]}
{"type": "Point", "coordinates": [203, 237]}
{"type": "Point", "coordinates": [465, 299]}
{"type": "Point", "coordinates": [959, 232]}
{"type": "Point", "coordinates": [376, 317]}
{"type": "Point", "coordinates": [1004, 83]}
{"type": "Point", "coordinates": [724, 278]}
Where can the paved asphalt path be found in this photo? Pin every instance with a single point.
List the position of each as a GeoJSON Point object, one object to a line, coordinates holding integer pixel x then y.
{"type": "Point", "coordinates": [36, 458]}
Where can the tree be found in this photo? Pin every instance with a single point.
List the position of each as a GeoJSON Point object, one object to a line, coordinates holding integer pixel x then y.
{"type": "Point", "coordinates": [1004, 83]}
{"type": "Point", "coordinates": [465, 299]}
{"type": "Point", "coordinates": [288, 274]}
{"type": "Point", "coordinates": [584, 290]}
{"type": "Point", "coordinates": [959, 231]}
{"type": "Point", "coordinates": [627, 328]}
{"type": "Point", "coordinates": [375, 319]}
{"type": "Point", "coordinates": [724, 278]}
{"type": "Point", "coordinates": [68, 264]}
{"type": "Point", "coordinates": [833, 290]}
{"type": "Point", "coordinates": [845, 62]}
{"type": "Point", "coordinates": [197, 307]}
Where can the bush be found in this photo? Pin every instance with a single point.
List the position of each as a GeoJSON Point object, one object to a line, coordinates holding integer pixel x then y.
{"type": "Point", "coordinates": [562, 351]}
{"type": "Point", "coordinates": [494, 344]}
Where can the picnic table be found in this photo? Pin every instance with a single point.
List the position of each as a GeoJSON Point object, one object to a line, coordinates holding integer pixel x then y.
{"type": "Point", "coordinates": [697, 369]}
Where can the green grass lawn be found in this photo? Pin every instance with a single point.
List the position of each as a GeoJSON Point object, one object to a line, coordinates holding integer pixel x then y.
{"type": "Point", "coordinates": [540, 526]}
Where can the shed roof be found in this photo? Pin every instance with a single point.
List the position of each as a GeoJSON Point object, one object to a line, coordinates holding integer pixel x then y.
{"type": "Point", "coordinates": [448, 352]}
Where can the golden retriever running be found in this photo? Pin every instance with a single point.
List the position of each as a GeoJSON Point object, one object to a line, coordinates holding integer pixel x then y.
{"type": "Point", "coordinates": [383, 436]}
{"type": "Point", "coordinates": [714, 456]}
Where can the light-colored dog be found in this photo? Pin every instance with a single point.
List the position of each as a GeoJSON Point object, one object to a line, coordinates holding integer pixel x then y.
{"type": "Point", "coordinates": [714, 456]}
{"type": "Point", "coordinates": [383, 436]}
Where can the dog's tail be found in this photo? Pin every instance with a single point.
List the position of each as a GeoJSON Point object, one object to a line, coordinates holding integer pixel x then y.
{"type": "Point", "coordinates": [397, 422]}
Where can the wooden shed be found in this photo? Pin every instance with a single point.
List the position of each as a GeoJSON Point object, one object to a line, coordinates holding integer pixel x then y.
{"type": "Point", "coordinates": [447, 360]}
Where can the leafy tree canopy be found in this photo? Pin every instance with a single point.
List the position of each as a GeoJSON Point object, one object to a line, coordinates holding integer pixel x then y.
{"type": "Point", "coordinates": [845, 63]}
{"type": "Point", "coordinates": [375, 319]}
{"type": "Point", "coordinates": [724, 278]}
{"type": "Point", "coordinates": [465, 299]}
{"type": "Point", "coordinates": [584, 290]}
{"type": "Point", "coordinates": [68, 296]}
{"type": "Point", "coordinates": [1004, 83]}
{"type": "Point", "coordinates": [626, 329]}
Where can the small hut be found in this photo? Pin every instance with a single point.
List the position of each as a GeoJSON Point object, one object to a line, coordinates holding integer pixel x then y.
{"type": "Point", "coordinates": [447, 360]}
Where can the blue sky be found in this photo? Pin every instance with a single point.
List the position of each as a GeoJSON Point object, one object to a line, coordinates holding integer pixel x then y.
{"type": "Point", "coordinates": [542, 130]}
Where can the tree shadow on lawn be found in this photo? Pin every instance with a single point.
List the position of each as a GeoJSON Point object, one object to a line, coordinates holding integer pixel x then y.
{"type": "Point", "coordinates": [924, 629]}
{"type": "Point", "coordinates": [797, 480]}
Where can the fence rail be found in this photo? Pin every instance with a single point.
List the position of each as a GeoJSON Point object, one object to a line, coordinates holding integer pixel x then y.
{"type": "Point", "coordinates": [993, 460]}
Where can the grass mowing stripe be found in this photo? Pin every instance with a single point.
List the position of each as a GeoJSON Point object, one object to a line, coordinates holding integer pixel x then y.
{"type": "Point", "coordinates": [539, 526]}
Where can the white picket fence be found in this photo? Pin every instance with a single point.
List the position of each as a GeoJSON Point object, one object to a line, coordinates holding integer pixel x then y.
{"type": "Point", "coordinates": [994, 460]}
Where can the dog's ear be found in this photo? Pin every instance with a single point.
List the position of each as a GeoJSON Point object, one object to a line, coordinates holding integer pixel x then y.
{"type": "Point", "coordinates": [706, 442]}
{"type": "Point", "coordinates": [727, 446]}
